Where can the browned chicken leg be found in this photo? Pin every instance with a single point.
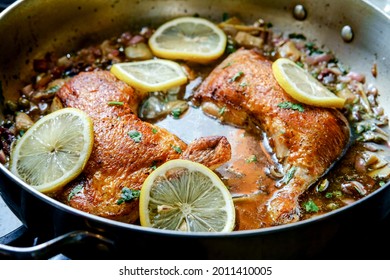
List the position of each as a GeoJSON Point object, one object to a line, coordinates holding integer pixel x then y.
{"type": "Point", "coordinates": [126, 149]}
{"type": "Point", "coordinates": [306, 143]}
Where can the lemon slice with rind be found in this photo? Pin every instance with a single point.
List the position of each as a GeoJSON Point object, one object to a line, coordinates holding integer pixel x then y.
{"type": "Point", "coordinates": [182, 195]}
{"type": "Point", "coordinates": [300, 85]}
{"type": "Point", "coordinates": [188, 38]}
{"type": "Point", "coordinates": [150, 75]}
{"type": "Point", "coordinates": [54, 150]}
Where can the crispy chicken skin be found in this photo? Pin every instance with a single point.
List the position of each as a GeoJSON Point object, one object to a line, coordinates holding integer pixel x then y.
{"type": "Point", "coordinates": [308, 142]}
{"type": "Point", "coordinates": [211, 151]}
{"type": "Point", "coordinates": [117, 160]}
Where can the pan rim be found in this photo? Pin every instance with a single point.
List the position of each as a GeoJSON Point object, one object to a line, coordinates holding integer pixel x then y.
{"type": "Point", "coordinates": [261, 231]}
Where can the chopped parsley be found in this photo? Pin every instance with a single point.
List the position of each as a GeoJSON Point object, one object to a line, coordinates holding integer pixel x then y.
{"type": "Point", "coordinates": [243, 84]}
{"type": "Point", "coordinates": [135, 135]}
{"type": "Point", "coordinates": [75, 191]}
{"type": "Point", "coordinates": [227, 65]}
{"type": "Point", "coordinates": [127, 195]}
{"type": "Point", "coordinates": [154, 130]}
{"type": "Point", "coordinates": [333, 194]}
{"type": "Point", "coordinates": [154, 165]}
{"type": "Point", "coordinates": [177, 149]}
{"type": "Point", "coordinates": [292, 106]}
{"type": "Point", "coordinates": [115, 103]}
{"type": "Point", "coordinates": [312, 48]}
{"type": "Point", "coordinates": [310, 206]}
{"type": "Point", "coordinates": [250, 159]}
{"type": "Point", "coordinates": [236, 76]}
{"type": "Point", "coordinates": [230, 47]}
{"type": "Point", "coordinates": [343, 68]}
{"type": "Point", "coordinates": [300, 64]}
{"type": "Point", "coordinates": [176, 113]}
{"type": "Point", "coordinates": [289, 175]}
{"type": "Point", "coordinates": [222, 111]}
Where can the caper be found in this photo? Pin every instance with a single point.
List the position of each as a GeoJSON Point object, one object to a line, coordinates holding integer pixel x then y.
{"type": "Point", "coordinates": [24, 102]}
{"type": "Point", "coordinates": [11, 105]}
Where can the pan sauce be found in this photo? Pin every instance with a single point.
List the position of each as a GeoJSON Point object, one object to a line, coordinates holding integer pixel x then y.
{"type": "Point", "coordinates": [253, 169]}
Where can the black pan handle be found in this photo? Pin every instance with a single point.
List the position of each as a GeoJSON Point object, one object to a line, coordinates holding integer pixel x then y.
{"type": "Point", "coordinates": [55, 246]}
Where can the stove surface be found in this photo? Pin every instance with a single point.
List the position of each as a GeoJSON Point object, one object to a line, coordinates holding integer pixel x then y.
{"type": "Point", "coordinates": [8, 221]}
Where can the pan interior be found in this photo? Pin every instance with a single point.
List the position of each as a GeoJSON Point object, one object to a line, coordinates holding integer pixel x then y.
{"type": "Point", "coordinates": [68, 25]}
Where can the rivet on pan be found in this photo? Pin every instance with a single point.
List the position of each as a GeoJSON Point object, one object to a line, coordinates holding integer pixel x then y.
{"type": "Point", "coordinates": [347, 33]}
{"type": "Point", "coordinates": [299, 12]}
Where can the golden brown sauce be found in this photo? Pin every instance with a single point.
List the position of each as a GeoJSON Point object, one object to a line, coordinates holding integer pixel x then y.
{"type": "Point", "coordinates": [245, 173]}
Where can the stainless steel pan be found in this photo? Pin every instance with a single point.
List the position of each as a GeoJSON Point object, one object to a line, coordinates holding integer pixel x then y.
{"type": "Point", "coordinates": [30, 28]}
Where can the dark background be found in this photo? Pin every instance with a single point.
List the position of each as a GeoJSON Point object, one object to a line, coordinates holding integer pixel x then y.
{"type": "Point", "coordinates": [5, 3]}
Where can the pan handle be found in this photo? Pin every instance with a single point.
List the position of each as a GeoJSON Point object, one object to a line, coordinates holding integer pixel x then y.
{"type": "Point", "coordinates": [55, 246]}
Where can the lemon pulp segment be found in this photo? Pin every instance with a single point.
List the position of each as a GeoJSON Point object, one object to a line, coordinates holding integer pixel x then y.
{"type": "Point", "coordinates": [186, 196]}
{"type": "Point", "coordinates": [54, 150]}
{"type": "Point", "coordinates": [300, 85]}
{"type": "Point", "coordinates": [150, 75]}
{"type": "Point", "coordinates": [188, 38]}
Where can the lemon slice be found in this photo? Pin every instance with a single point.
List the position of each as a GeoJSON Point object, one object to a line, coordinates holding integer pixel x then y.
{"type": "Point", "coordinates": [300, 85]}
{"type": "Point", "coordinates": [150, 75]}
{"type": "Point", "coordinates": [54, 150]}
{"type": "Point", "coordinates": [188, 38]}
{"type": "Point", "coordinates": [186, 196]}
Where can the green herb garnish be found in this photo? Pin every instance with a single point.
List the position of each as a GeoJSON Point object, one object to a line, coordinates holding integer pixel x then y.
{"type": "Point", "coordinates": [176, 113]}
{"type": "Point", "coordinates": [333, 194]}
{"type": "Point", "coordinates": [310, 206]}
{"type": "Point", "coordinates": [222, 111]}
{"type": "Point", "coordinates": [227, 65]}
{"type": "Point", "coordinates": [289, 175]}
{"type": "Point", "coordinates": [292, 106]}
{"type": "Point", "coordinates": [300, 64]}
{"type": "Point", "coordinates": [115, 103]}
{"type": "Point", "coordinates": [236, 76]}
{"type": "Point", "coordinates": [154, 130]}
{"type": "Point", "coordinates": [135, 135]}
{"type": "Point", "coordinates": [75, 191]}
{"type": "Point", "coordinates": [250, 159]}
{"type": "Point", "coordinates": [230, 47]}
{"type": "Point", "coordinates": [177, 149]}
{"type": "Point", "coordinates": [312, 48]}
{"type": "Point", "coordinates": [127, 195]}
